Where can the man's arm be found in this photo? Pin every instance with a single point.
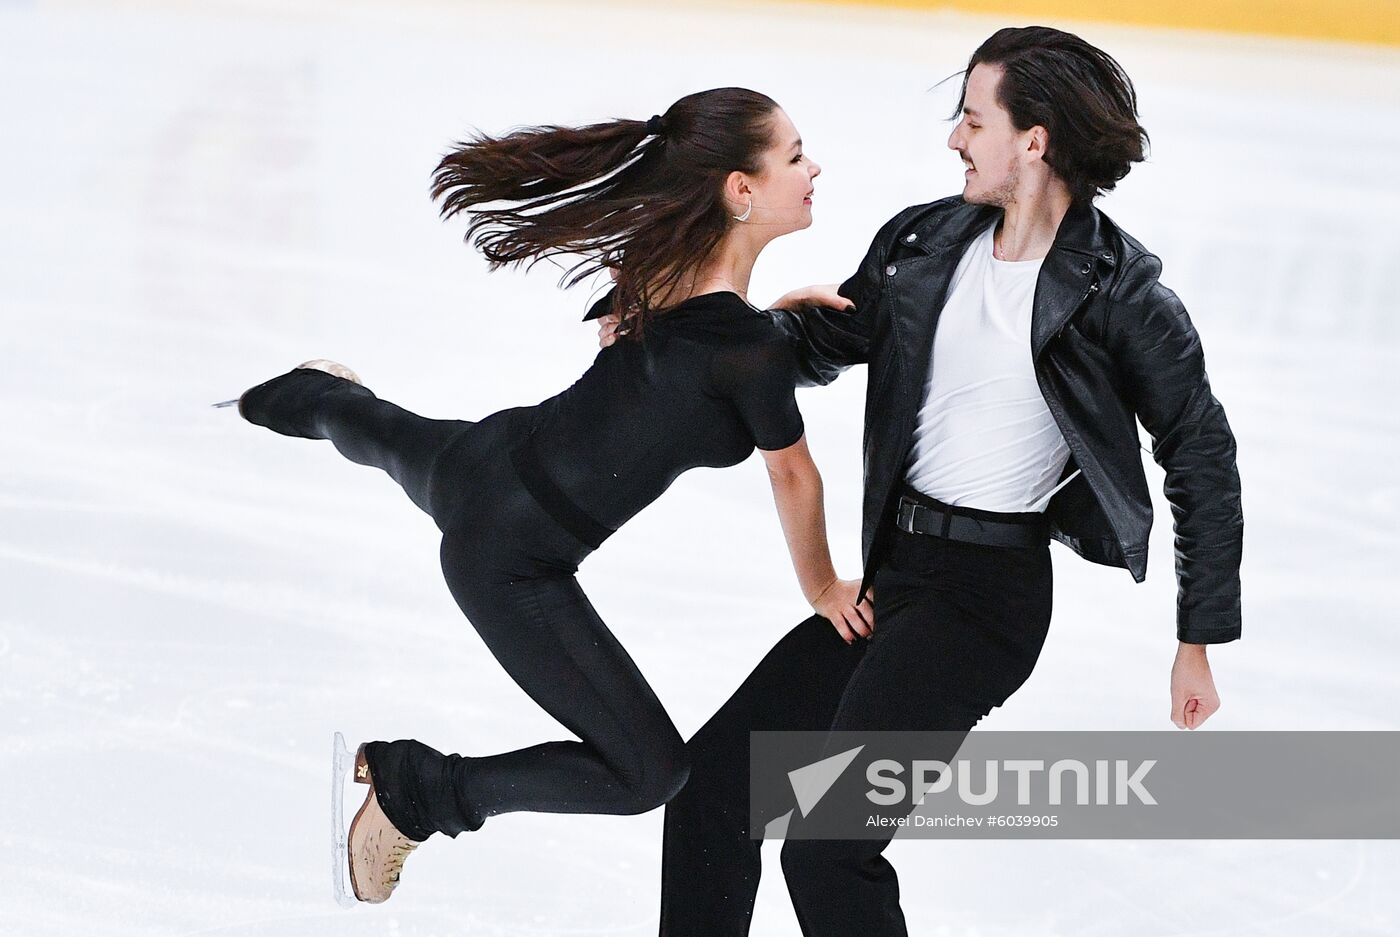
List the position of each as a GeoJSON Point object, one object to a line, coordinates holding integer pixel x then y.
{"type": "Point", "coordinates": [828, 340]}
{"type": "Point", "coordinates": [1160, 357]}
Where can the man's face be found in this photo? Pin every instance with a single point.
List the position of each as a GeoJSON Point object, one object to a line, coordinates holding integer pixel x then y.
{"type": "Point", "coordinates": [990, 146]}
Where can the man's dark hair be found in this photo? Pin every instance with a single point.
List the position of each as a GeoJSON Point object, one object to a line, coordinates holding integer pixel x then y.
{"type": "Point", "coordinates": [1078, 93]}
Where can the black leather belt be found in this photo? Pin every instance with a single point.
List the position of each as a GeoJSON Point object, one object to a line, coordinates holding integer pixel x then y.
{"type": "Point", "coordinates": [970, 525]}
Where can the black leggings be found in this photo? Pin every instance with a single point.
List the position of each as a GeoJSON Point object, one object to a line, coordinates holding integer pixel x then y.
{"type": "Point", "coordinates": [958, 629]}
{"type": "Point", "coordinates": [511, 568]}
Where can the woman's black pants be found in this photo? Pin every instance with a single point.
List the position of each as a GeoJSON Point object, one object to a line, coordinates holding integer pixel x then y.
{"type": "Point", "coordinates": [511, 568]}
{"type": "Point", "coordinates": [958, 629]}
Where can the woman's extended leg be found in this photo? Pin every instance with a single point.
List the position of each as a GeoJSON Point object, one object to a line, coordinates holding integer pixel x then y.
{"type": "Point", "coordinates": [313, 404]}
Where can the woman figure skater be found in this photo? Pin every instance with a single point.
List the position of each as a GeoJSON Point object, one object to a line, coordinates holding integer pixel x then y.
{"type": "Point", "coordinates": [678, 208]}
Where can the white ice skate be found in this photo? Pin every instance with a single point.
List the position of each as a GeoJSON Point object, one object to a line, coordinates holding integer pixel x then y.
{"type": "Point", "coordinates": [320, 364]}
{"type": "Point", "coordinates": [372, 850]}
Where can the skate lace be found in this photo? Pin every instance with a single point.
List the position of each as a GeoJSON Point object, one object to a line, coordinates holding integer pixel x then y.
{"type": "Point", "coordinates": [398, 852]}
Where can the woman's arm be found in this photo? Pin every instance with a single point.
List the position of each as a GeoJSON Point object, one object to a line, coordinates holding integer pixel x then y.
{"type": "Point", "coordinates": [797, 492]}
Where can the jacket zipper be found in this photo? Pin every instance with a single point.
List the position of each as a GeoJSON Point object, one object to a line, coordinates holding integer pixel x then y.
{"type": "Point", "coordinates": [1072, 438]}
{"type": "Point", "coordinates": [1093, 288]}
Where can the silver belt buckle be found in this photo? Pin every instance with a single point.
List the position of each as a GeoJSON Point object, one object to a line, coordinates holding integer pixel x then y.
{"type": "Point", "coordinates": [904, 519]}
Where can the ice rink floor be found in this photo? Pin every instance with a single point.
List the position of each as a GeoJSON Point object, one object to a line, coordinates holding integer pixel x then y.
{"type": "Point", "coordinates": [197, 197]}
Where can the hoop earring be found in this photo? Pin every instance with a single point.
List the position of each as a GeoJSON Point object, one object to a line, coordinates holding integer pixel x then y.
{"type": "Point", "coordinates": [748, 211]}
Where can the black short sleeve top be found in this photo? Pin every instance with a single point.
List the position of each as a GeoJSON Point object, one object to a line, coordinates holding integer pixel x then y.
{"type": "Point", "coordinates": [711, 380]}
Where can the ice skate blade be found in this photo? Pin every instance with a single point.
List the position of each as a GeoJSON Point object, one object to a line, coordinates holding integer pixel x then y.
{"type": "Point", "coordinates": [341, 760]}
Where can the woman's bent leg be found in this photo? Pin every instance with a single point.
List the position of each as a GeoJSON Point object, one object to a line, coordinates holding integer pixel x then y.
{"type": "Point", "coordinates": [548, 637]}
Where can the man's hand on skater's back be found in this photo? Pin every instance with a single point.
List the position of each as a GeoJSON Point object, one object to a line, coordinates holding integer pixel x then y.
{"type": "Point", "coordinates": [607, 329]}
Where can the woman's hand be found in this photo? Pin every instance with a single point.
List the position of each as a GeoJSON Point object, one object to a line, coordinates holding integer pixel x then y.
{"type": "Point", "coordinates": [1194, 699]}
{"type": "Point", "coordinates": [822, 294]}
{"type": "Point", "coordinates": [837, 604]}
{"type": "Point", "coordinates": [797, 493]}
{"type": "Point", "coordinates": [607, 325]}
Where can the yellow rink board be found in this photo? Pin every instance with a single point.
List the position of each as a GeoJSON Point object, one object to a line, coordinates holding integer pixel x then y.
{"type": "Point", "coordinates": [1377, 21]}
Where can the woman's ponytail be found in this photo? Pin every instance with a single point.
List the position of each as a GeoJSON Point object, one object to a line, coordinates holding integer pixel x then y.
{"type": "Point", "coordinates": [649, 190]}
{"type": "Point", "coordinates": [533, 164]}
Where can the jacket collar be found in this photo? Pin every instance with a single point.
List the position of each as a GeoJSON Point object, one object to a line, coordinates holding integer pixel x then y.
{"type": "Point", "coordinates": [1081, 231]}
{"type": "Point", "coordinates": [1080, 256]}
{"type": "Point", "coordinates": [936, 231]}
{"type": "Point", "coordinates": [1079, 260]}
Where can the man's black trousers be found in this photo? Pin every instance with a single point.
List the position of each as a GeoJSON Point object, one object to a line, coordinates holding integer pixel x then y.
{"type": "Point", "coordinates": [958, 629]}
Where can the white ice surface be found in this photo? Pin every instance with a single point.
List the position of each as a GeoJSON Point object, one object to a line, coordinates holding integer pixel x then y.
{"type": "Point", "coordinates": [196, 197]}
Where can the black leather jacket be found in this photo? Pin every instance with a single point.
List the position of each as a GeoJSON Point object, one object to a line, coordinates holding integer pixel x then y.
{"type": "Point", "coordinates": [1109, 344]}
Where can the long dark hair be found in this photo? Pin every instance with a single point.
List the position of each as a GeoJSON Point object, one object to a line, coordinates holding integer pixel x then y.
{"type": "Point", "coordinates": [641, 198]}
{"type": "Point", "coordinates": [1078, 93]}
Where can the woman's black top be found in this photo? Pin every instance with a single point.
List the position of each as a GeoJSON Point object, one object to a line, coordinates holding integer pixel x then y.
{"type": "Point", "coordinates": [711, 379]}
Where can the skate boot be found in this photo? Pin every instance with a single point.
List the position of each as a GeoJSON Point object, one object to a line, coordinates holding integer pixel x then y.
{"type": "Point", "coordinates": [287, 403]}
{"type": "Point", "coordinates": [376, 848]}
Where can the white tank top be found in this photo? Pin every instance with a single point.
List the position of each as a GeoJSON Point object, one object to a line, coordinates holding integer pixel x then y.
{"type": "Point", "coordinates": [984, 436]}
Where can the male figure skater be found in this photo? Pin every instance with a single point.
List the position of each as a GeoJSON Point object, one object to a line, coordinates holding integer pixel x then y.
{"type": "Point", "coordinates": [1013, 427]}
